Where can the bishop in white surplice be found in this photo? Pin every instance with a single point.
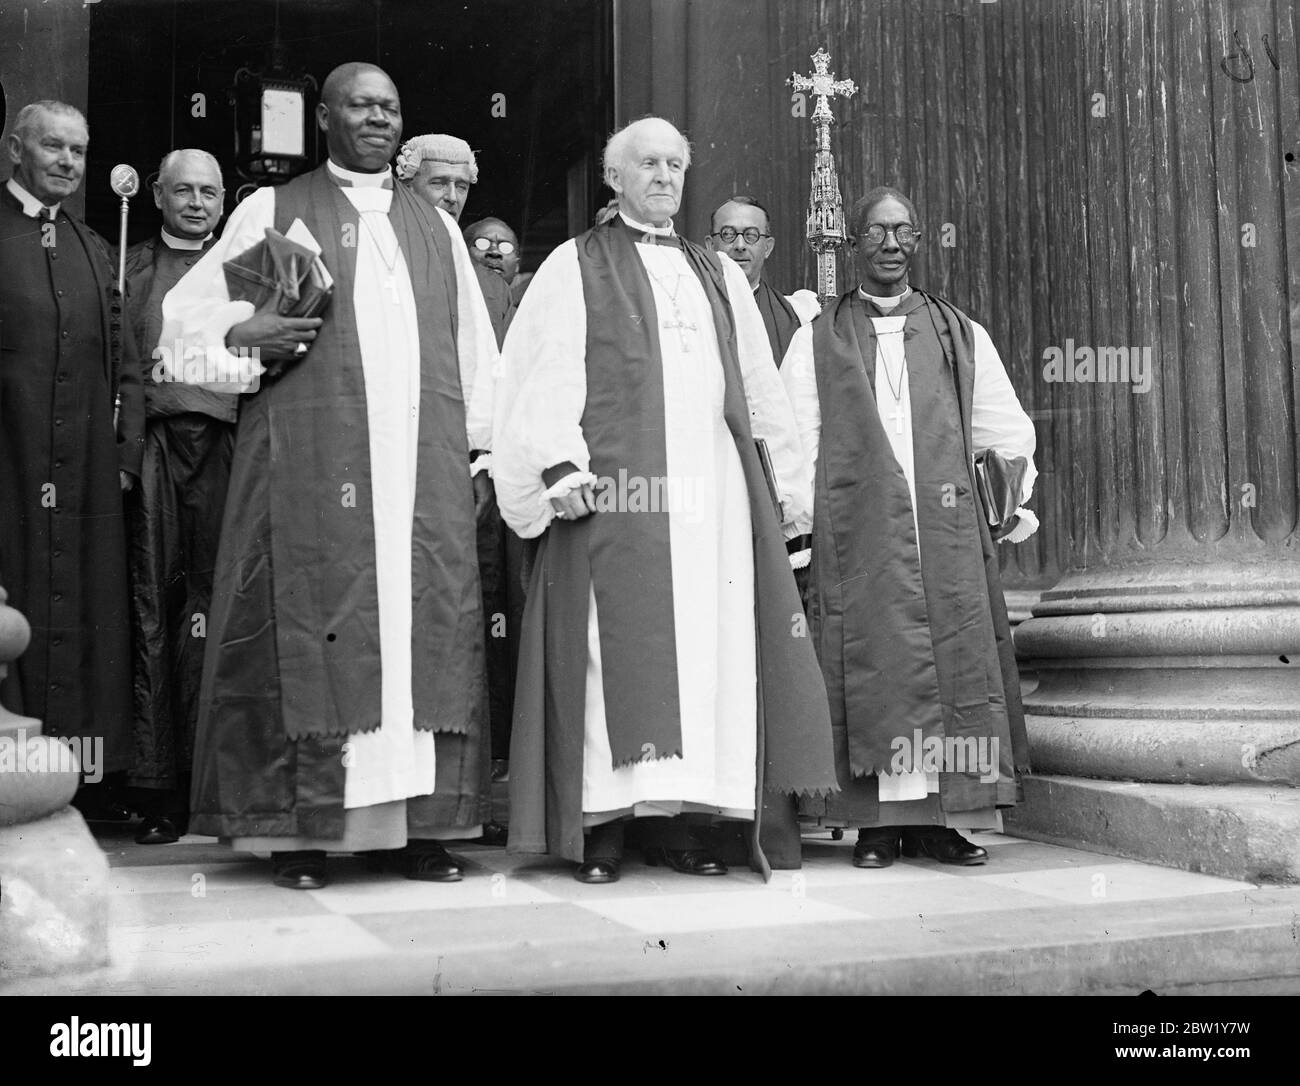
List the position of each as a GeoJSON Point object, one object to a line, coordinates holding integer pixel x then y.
{"type": "Point", "coordinates": [543, 413]}
{"type": "Point", "coordinates": [395, 762]}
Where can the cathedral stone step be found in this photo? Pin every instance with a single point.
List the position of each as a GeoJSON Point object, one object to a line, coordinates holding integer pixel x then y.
{"type": "Point", "coordinates": [1241, 831]}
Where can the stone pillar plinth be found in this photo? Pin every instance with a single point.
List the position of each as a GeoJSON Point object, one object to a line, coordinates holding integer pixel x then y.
{"type": "Point", "coordinates": [1184, 679]}
{"type": "Point", "coordinates": [53, 877]}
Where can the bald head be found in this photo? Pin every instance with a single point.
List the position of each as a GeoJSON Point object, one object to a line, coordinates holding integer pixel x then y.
{"type": "Point", "coordinates": [337, 82]}
{"type": "Point", "coordinates": [189, 193]}
{"type": "Point", "coordinates": [645, 165]}
{"type": "Point", "coordinates": [361, 116]}
{"type": "Point", "coordinates": [187, 159]}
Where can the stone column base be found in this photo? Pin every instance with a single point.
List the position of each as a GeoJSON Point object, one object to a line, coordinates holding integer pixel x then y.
{"type": "Point", "coordinates": [53, 898]}
{"type": "Point", "coordinates": [1239, 831]}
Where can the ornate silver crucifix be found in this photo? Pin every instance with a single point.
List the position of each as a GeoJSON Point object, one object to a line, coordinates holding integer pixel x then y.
{"type": "Point", "coordinates": [825, 207]}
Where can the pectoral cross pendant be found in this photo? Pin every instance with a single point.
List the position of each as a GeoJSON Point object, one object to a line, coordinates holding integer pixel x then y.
{"type": "Point", "coordinates": [897, 416]}
{"type": "Point", "coordinates": [682, 326]}
{"type": "Point", "coordinates": [390, 285]}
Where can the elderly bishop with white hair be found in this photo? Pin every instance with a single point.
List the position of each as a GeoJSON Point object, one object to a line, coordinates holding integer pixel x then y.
{"type": "Point", "coordinates": [666, 680]}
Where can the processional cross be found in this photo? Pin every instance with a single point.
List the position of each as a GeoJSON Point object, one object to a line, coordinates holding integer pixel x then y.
{"type": "Point", "coordinates": [826, 232]}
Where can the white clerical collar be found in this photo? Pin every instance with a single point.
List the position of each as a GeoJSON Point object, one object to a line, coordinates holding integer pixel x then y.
{"type": "Point", "coordinates": [662, 231]}
{"type": "Point", "coordinates": [381, 180]}
{"type": "Point", "coordinates": [173, 242]}
{"type": "Point", "coordinates": [885, 303]}
{"type": "Point", "coordinates": [32, 207]}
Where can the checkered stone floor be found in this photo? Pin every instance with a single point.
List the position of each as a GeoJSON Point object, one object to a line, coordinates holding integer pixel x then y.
{"type": "Point", "coordinates": [195, 918]}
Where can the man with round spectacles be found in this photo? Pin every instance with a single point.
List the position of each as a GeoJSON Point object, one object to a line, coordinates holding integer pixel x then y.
{"type": "Point", "coordinates": [907, 606]}
{"type": "Point", "coordinates": [905, 234]}
{"type": "Point", "coordinates": [742, 229]}
{"type": "Point", "coordinates": [494, 246]}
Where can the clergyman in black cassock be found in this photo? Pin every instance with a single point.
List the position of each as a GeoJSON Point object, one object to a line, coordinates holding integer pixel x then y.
{"type": "Point", "coordinates": [175, 513]}
{"type": "Point", "coordinates": [63, 363]}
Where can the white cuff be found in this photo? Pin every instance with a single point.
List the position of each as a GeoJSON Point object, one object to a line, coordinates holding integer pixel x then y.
{"type": "Point", "coordinates": [800, 559]}
{"type": "Point", "coordinates": [1026, 526]}
{"type": "Point", "coordinates": [482, 462]}
{"type": "Point", "coordinates": [567, 485]}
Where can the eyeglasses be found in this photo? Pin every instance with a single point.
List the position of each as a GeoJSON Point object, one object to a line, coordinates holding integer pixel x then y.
{"type": "Point", "coordinates": [484, 244]}
{"type": "Point", "coordinates": [751, 234]}
{"type": "Point", "coordinates": [904, 235]}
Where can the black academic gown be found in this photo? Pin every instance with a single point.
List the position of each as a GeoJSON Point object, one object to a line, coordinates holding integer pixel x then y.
{"type": "Point", "coordinates": [62, 536]}
{"type": "Point", "coordinates": [500, 560]}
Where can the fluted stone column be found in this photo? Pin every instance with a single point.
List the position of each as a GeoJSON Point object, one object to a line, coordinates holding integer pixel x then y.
{"type": "Point", "coordinates": [1166, 720]}
{"type": "Point", "coordinates": [53, 877]}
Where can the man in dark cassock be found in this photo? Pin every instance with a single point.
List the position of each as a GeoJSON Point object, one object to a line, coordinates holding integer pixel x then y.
{"type": "Point", "coordinates": [494, 247]}
{"type": "Point", "coordinates": [344, 700]}
{"type": "Point", "coordinates": [665, 679]}
{"type": "Point", "coordinates": [64, 463]}
{"type": "Point", "coordinates": [742, 228]}
{"type": "Point", "coordinates": [175, 519]}
{"type": "Point", "coordinates": [896, 391]}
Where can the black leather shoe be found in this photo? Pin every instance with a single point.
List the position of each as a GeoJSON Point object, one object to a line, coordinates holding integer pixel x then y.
{"type": "Point", "coordinates": [494, 834]}
{"type": "Point", "coordinates": [945, 845]}
{"type": "Point", "coordinates": [299, 870]}
{"type": "Point", "coordinates": [876, 850]}
{"type": "Point", "coordinates": [597, 871]}
{"type": "Point", "coordinates": [159, 831]}
{"type": "Point", "coordinates": [425, 861]}
{"type": "Point", "coordinates": [689, 861]}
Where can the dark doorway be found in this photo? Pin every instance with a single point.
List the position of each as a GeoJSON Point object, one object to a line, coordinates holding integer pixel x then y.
{"type": "Point", "coordinates": [528, 85]}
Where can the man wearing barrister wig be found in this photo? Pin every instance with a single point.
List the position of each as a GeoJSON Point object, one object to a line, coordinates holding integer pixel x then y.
{"type": "Point", "coordinates": [665, 675]}
{"type": "Point", "coordinates": [896, 392]}
{"type": "Point", "coordinates": [441, 170]}
{"type": "Point", "coordinates": [343, 705]}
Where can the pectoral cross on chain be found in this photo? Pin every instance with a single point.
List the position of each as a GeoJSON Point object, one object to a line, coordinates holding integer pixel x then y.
{"type": "Point", "coordinates": [390, 285]}
{"type": "Point", "coordinates": [898, 416]}
{"type": "Point", "coordinates": [682, 326]}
